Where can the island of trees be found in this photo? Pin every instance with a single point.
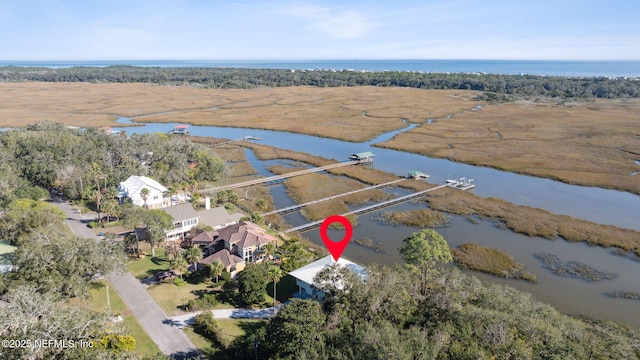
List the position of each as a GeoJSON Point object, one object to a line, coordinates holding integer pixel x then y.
{"type": "Point", "coordinates": [495, 87]}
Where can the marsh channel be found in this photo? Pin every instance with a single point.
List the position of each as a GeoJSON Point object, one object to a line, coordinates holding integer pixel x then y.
{"type": "Point", "coordinates": [569, 295]}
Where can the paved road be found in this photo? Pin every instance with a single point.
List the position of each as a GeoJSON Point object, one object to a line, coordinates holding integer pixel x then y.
{"type": "Point", "coordinates": [169, 338]}
{"type": "Point", "coordinates": [186, 319]}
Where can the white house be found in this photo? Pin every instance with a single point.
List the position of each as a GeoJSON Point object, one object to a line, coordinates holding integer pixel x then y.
{"type": "Point", "coordinates": [184, 217]}
{"type": "Point", "coordinates": [305, 275]}
{"type": "Point", "coordinates": [132, 187]}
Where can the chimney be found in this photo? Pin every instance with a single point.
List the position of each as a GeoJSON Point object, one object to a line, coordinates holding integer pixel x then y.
{"type": "Point", "coordinates": [207, 203]}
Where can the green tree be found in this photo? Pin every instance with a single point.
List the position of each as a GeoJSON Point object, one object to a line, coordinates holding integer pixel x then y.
{"type": "Point", "coordinates": [300, 323]}
{"type": "Point", "coordinates": [269, 249]}
{"type": "Point", "coordinates": [215, 269]}
{"type": "Point", "coordinates": [252, 282]}
{"type": "Point", "coordinates": [55, 261]}
{"type": "Point", "coordinates": [131, 219]}
{"type": "Point", "coordinates": [29, 313]}
{"type": "Point", "coordinates": [261, 204]}
{"type": "Point", "coordinates": [180, 265]}
{"type": "Point", "coordinates": [173, 251]}
{"type": "Point", "coordinates": [156, 221]}
{"type": "Point", "coordinates": [424, 249]}
{"type": "Point", "coordinates": [193, 255]}
{"type": "Point", "coordinates": [23, 217]}
{"type": "Point", "coordinates": [274, 274]}
{"type": "Point", "coordinates": [144, 193]}
{"type": "Point", "coordinates": [111, 208]}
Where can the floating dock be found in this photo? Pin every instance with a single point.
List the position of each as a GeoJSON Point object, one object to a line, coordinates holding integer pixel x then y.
{"type": "Point", "coordinates": [179, 130]}
{"type": "Point", "coordinates": [461, 183]}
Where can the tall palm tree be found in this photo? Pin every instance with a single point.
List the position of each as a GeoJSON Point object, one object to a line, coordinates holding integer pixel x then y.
{"type": "Point", "coordinates": [216, 269]}
{"type": "Point", "coordinates": [269, 249]}
{"type": "Point", "coordinates": [173, 251]}
{"type": "Point", "coordinates": [193, 255]}
{"type": "Point", "coordinates": [180, 265]}
{"type": "Point", "coordinates": [144, 192]}
{"type": "Point", "coordinates": [274, 273]}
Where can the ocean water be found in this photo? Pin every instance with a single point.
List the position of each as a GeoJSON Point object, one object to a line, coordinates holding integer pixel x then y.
{"type": "Point", "coordinates": [517, 67]}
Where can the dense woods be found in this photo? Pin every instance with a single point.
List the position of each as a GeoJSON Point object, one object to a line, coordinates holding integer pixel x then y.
{"type": "Point", "coordinates": [390, 317]}
{"type": "Point", "coordinates": [497, 87]}
{"type": "Point", "coordinates": [81, 162]}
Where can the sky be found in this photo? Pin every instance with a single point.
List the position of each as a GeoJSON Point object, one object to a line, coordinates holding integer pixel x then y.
{"type": "Point", "coordinates": [299, 30]}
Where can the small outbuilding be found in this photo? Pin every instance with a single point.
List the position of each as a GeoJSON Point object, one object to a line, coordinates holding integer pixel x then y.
{"type": "Point", "coordinates": [366, 156]}
{"type": "Point", "coordinates": [417, 175]}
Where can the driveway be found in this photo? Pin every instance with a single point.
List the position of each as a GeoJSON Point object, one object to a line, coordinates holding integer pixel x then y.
{"type": "Point", "coordinates": [186, 319]}
{"type": "Point", "coordinates": [170, 339]}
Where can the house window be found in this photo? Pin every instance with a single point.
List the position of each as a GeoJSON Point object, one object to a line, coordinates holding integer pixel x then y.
{"type": "Point", "coordinates": [155, 197]}
{"type": "Point", "coordinates": [248, 255]}
{"type": "Point", "coordinates": [177, 225]}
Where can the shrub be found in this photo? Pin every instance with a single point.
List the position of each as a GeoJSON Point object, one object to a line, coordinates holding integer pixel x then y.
{"type": "Point", "coordinates": [206, 325]}
{"type": "Point", "coordinates": [225, 276]}
{"type": "Point", "coordinates": [205, 302]}
{"type": "Point", "coordinates": [93, 224]}
{"type": "Point", "coordinates": [179, 282]}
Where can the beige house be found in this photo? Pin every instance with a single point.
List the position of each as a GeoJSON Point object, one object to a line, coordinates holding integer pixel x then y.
{"type": "Point", "coordinates": [231, 263]}
{"type": "Point", "coordinates": [245, 240]}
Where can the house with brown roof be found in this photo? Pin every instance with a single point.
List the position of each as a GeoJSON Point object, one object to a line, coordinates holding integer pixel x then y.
{"type": "Point", "coordinates": [231, 263]}
{"type": "Point", "coordinates": [245, 240]}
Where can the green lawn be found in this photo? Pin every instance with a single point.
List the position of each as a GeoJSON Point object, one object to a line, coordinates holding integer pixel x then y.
{"type": "Point", "coordinates": [232, 328]}
{"type": "Point", "coordinates": [147, 266]}
{"type": "Point", "coordinates": [97, 301]}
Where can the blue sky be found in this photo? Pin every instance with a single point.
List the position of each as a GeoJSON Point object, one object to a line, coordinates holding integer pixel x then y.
{"type": "Point", "coordinates": [218, 29]}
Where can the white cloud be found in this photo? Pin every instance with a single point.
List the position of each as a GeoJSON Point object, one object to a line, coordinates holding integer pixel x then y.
{"type": "Point", "coordinates": [335, 23]}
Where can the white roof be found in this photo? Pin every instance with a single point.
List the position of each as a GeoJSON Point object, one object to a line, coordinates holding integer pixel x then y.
{"type": "Point", "coordinates": [308, 272]}
{"type": "Point", "coordinates": [135, 183]}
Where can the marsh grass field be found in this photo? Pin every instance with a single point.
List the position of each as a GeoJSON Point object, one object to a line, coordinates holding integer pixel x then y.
{"type": "Point", "coordinates": [533, 221]}
{"type": "Point", "coordinates": [593, 143]}
{"type": "Point", "coordinates": [489, 260]}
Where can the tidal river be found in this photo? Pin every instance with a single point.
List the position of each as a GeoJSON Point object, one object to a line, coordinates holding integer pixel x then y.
{"type": "Point", "coordinates": [566, 294]}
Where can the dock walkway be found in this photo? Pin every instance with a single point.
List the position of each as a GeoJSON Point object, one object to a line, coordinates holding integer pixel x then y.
{"type": "Point", "coordinates": [369, 208]}
{"type": "Point", "coordinates": [280, 177]}
{"type": "Point", "coordinates": [298, 206]}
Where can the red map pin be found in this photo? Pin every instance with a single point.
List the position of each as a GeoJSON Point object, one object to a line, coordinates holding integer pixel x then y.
{"type": "Point", "coordinates": [336, 247]}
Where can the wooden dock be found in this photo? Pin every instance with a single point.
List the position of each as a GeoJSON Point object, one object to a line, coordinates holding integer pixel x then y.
{"type": "Point", "coordinates": [280, 177]}
{"type": "Point", "coordinates": [246, 138]}
{"type": "Point", "coordinates": [298, 206]}
{"type": "Point", "coordinates": [369, 208]}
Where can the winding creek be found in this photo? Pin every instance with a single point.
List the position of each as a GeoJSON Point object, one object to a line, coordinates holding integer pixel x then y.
{"type": "Point", "coordinates": [566, 294]}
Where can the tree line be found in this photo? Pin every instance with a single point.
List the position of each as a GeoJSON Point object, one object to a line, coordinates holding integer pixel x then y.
{"type": "Point", "coordinates": [496, 87]}
{"type": "Point", "coordinates": [89, 164]}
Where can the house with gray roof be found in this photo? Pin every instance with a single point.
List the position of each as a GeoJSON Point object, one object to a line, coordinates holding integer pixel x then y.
{"type": "Point", "coordinates": [218, 217]}
{"type": "Point", "coordinates": [184, 217]}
